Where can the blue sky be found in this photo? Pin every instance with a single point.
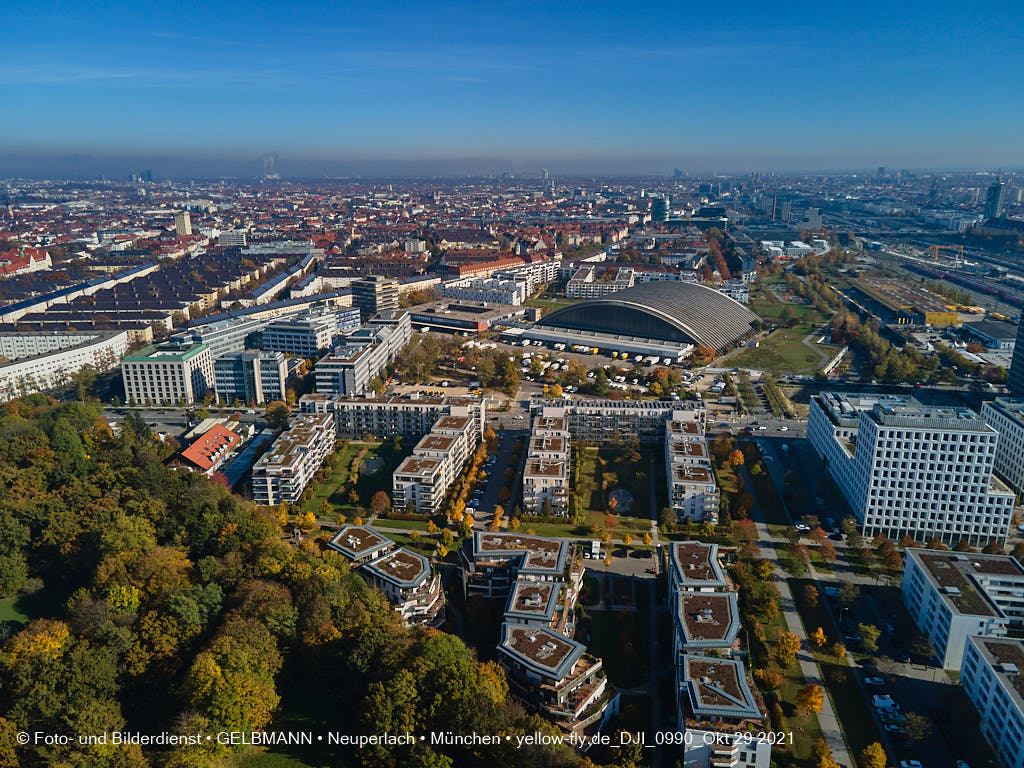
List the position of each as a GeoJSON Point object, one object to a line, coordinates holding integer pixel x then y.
{"type": "Point", "coordinates": [594, 85]}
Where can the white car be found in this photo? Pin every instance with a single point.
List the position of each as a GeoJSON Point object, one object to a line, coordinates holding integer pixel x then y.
{"type": "Point", "coordinates": [802, 526]}
{"type": "Point", "coordinates": [783, 429]}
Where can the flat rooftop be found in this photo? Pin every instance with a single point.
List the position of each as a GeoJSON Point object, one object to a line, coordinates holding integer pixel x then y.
{"type": "Point", "coordinates": [434, 442]}
{"type": "Point", "coordinates": [457, 423]}
{"type": "Point", "coordinates": [533, 599]}
{"type": "Point", "coordinates": [545, 468]}
{"type": "Point", "coordinates": [419, 466]}
{"type": "Point", "coordinates": [678, 427]}
{"type": "Point", "coordinates": [537, 552]}
{"type": "Point", "coordinates": [954, 575]}
{"type": "Point", "coordinates": [542, 649]}
{"type": "Point", "coordinates": [709, 616]}
{"type": "Point", "coordinates": [356, 541]}
{"type": "Point", "coordinates": [718, 688]}
{"type": "Point", "coordinates": [1007, 657]}
{"type": "Point", "coordinates": [691, 473]}
{"type": "Point", "coordinates": [549, 423]}
{"type": "Point", "coordinates": [696, 564]}
{"type": "Point", "coordinates": [401, 567]}
{"type": "Point", "coordinates": [547, 444]}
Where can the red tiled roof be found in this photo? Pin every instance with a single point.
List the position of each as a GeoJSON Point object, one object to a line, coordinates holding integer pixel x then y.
{"type": "Point", "coordinates": [209, 448]}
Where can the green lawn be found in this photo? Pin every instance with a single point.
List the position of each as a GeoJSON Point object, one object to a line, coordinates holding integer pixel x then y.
{"type": "Point", "coordinates": [334, 480]}
{"type": "Point", "coordinates": [10, 611]}
{"type": "Point", "coordinates": [624, 468]}
{"type": "Point", "coordinates": [335, 486]}
{"type": "Point", "coordinates": [407, 525]}
{"type": "Point", "coordinates": [784, 352]}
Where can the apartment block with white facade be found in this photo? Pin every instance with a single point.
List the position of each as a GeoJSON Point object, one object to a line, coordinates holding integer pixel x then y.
{"type": "Point", "coordinates": [907, 469]}
{"type": "Point", "coordinates": [409, 417]}
{"type": "Point", "coordinates": [604, 421]}
{"type": "Point", "coordinates": [421, 481]}
{"type": "Point", "coordinates": [41, 361]}
{"type": "Point", "coordinates": [284, 471]}
{"type": "Point", "coordinates": [250, 377]}
{"type": "Point", "coordinates": [546, 474]}
{"type": "Point", "coordinates": [167, 374]}
{"type": "Point", "coordinates": [692, 489]}
{"type": "Point", "coordinates": [587, 283]}
{"type": "Point", "coordinates": [953, 595]}
{"type": "Point", "coordinates": [992, 676]}
{"type": "Point", "coordinates": [1006, 416]}
{"type": "Point", "coordinates": [490, 290]}
{"type": "Point", "coordinates": [715, 705]}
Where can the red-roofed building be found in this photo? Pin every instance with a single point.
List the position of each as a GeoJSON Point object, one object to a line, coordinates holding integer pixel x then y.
{"type": "Point", "coordinates": [20, 260]}
{"type": "Point", "coordinates": [207, 453]}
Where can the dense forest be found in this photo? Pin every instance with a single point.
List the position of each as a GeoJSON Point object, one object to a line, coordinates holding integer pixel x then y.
{"type": "Point", "coordinates": [164, 603]}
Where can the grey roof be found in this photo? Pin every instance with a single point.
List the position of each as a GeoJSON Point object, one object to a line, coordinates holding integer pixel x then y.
{"type": "Point", "coordinates": [701, 314]}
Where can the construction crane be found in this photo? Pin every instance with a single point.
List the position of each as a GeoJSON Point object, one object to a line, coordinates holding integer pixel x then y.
{"type": "Point", "coordinates": [934, 251]}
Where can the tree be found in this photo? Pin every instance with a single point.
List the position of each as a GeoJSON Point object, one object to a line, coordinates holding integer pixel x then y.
{"type": "Point", "coordinates": [787, 647]}
{"type": "Point", "coordinates": [849, 595]}
{"type": "Point", "coordinates": [627, 539]}
{"type": "Point", "coordinates": [431, 527]}
{"type": "Point", "coordinates": [873, 756]}
{"type": "Point", "coordinates": [869, 635]}
{"type": "Point", "coordinates": [839, 652]}
{"type": "Point", "coordinates": [810, 698]}
{"type": "Point", "coordinates": [765, 570]}
{"type": "Point", "coordinates": [647, 539]}
{"type": "Point", "coordinates": [917, 727]}
{"type": "Point", "coordinates": [818, 636]}
{"type": "Point", "coordinates": [736, 457]}
{"type": "Point", "coordinates": [811, 596]}
{"type": "Point", "coordinates": [276, 415]}
{"type": "Point", "coordinates": [380, 503]}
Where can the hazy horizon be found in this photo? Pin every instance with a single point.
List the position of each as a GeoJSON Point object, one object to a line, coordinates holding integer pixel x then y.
{"type": "Point", "coordinates": [452, 88]}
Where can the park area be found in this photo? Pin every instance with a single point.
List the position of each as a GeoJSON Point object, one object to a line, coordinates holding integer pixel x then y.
{"type": "Point", "coordinates": [352, 475]}
{"type": "Point", "coordinates": [785, 349]}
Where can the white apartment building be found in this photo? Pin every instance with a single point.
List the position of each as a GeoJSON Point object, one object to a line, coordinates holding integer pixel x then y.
{"type": "Point", "coordinates": [992, 675]}
{"type": "Point", "coordinates": [352, 366]}
{"type": "Point", "coordinates": [421, 481]}
{"type": "Point", "coordinates": [586, 283]}
{"type": "Point", "coordinates": [720, 715]}
{"type": "Point", "coordinates": [490, 290]}
{"type": "Point", "coordinates": [1006, 416]}
{"type": "Point", "coordinates": [715, 706]}
{"type": "Point", "coordinates": [603, 421]}
{"type": "Point", "coordinates": [911, 469]}
{"type": "Point", "coordinates": [42, 361]}
{"type": "Point", "coordinates": [284, 471]}
{"type": "Point", "coordinates": [409, 417]}
{"type": "Point", "coordinates": [692, 490]}
{"type": "Point", "coordinates": [405, 577]}
{"type": "Point", "coordinates": [546, 475]}
{"type": "Point", "coordinates": [168, 373]}
{"type": "Point", "coordinates": [953, 595]}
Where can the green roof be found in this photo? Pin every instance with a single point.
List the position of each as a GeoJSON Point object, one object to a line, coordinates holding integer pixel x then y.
{"type": "Point", "coordinates": [168, 352]}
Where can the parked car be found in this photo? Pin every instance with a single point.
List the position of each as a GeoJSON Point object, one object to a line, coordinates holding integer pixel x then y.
{"type": "Point", "coordinates": [800, 526]}
{"type": "Point", "coordinates": [874, 680]}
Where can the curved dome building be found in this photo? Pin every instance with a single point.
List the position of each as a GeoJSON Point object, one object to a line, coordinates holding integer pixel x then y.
{"type": "Point", "coordinates": [667, 310]}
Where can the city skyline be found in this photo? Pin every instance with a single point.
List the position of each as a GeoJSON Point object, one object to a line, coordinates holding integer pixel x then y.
{"type": "Point", "coordinates": [454, 90]}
